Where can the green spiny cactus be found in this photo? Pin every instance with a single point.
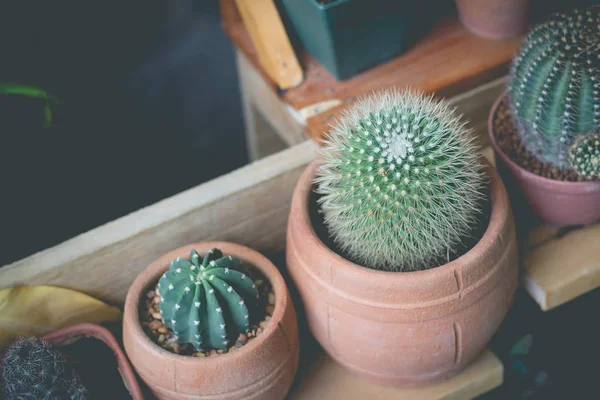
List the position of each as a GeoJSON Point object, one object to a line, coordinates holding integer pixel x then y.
{"type": "Point", "coordinates": [208, 303]}
{"type": "Point", "coordinates": [584, 156]}
{"type": "Point", "coordinates": [400, 181]}
{"type": "Point", "coordinates": [34, 369]}
{"type": "Point", "coordinates": [554, 84]}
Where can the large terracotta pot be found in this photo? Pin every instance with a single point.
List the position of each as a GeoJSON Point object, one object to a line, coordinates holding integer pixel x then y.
{"type": "Point", "coordinates": [68, 335]}
{"type": "Point", "coordinates": [404, 328]}
{"type": "Point", "coordinates": [262, 369]}
{"type": "Point", "coordinates": [494, 19]}
{"type": "Point", "coordinates": [557, 203]}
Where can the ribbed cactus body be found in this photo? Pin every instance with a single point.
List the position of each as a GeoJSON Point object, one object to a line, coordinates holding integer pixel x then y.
{"type": "Point", "coordinates": [207, 302]}
{"type": "Point", "coordinates": [34, 369]}
{"type": "Point", "coordinates": [584, 156]}
{"type": "Point", "coordinates": [554, 84]}
{"type": "Point", "coordinates": [400, 181]}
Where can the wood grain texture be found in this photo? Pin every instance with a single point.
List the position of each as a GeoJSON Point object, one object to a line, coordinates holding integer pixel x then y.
{"type": "Point", "coordinates": [259, 95]}
{"type": "Point", "coordinates": [560, 267]}
{"type": "Point", "coordinates": [425, 65]}
{"type": "Point", "coordinates": [290, 124]}
{"type": "Point", "coordinates": [248, 206]}
{"type": "Point", "coordinates": [326, 379]}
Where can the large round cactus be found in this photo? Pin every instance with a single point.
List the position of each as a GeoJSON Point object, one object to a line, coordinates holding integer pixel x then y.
{"type": "Point", "coordinates": [207, 303]}
{"type": "Point", "coordinates": [400, 181]}
{"type": "Point", "coordinates": [584, 156]}
{"type": "Point", "coordinates": [554, 85]}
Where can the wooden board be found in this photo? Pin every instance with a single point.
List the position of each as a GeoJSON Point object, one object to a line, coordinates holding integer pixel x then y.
{"type": "Point", "coordinates": [271, 123]}
{"type": "Point", "coordinates": [248, 206]}
{"type": "Point", "coordinates": [328, 380]}
{"type": "Point", "coordinates": [320, 98]}
{"type": "Point", "coordinates": [561, 266]}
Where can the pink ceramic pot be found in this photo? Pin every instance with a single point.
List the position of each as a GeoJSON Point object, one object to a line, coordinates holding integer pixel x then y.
{"type": "Point", "coordinates": [262, 369]}
{"type": "Point", "coordinates": [494, 19]}
{"type": "Point", "coordinates": [404, 328]}
{"type": "Point", "coordinates": [557, 203]}
{"type": "Point", "coordinates": [68, 335]}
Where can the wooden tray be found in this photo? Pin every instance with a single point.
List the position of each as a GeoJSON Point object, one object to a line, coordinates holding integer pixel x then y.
{"type": "Point", "coordinates": [250, 206]}
{"type": "Point", "coordinates": [319, 98]}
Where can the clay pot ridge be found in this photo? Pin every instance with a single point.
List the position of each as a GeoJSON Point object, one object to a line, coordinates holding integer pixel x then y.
{"type": "Point", "coordinates": [265, 365]}
{"type": "Point", "coordinates": [423, 288]}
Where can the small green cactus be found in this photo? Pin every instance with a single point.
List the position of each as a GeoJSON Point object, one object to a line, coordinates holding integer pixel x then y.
{"type": "Point", "coordinates": [34, 369]}
{"type": "Point", "coordinates": [584, 156]}
{"type": "Point", "coordinates": [554, 84]}
{"type": "Point", "coordinates": [400, 181]}
{"type": "Point", "coordinates": [209, 303]}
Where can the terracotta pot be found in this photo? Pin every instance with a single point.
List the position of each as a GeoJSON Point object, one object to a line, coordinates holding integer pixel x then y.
{"type": "Point", "coordinates": [262, 369]}
{"type": "Point", "coordinates": [557, 203]}
{"type": "Point", "coordinates": [494, 19]}
{"type": "Point", "coordinates": [66, 336]}
{"type": "Point", "coordinates": [404, 329]}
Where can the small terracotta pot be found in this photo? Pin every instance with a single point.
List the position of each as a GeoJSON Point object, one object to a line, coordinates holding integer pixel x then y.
{"type": "Point", "coordinates": [262, 369]}
{"type": "Point", "coordinates": [404, 329]}
{"type": "Point", "coordinates": [557, 203]}
{"type": "Point", "coordinates": [66, 336]}
{"type": "Point", "coordinates": [494, 19]}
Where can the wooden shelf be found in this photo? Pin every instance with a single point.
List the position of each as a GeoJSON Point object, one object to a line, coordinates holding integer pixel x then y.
{"type": "Point", "coordinates": [559, 265]}
{"type": "Point", "coordinates": [447, 61]}
{"type": "Point", "coordinates": [328, 380]}
{"type": "Point", "coordinates": [562, 265]}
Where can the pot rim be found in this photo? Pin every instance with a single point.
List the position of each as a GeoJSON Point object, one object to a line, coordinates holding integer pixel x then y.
{"type": "Point", "coordinates": [567, 187]}
{"type": "Point", "coordinates": [153, 272]}
{"type": "Point", "coordinates": [500, 208]}
{"type": "Point", "coordinates": [70, 334]}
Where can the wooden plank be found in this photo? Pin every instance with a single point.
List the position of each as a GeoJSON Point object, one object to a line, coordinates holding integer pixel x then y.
{"type": "Point", "coordinates": [320, 97]}
{"type": "Point", "coordinates": [248, 206]}
{"type": "Point", "coordinates": [257, 92]}
{"type": "Point", "coordinates": [269, 37]}
{"type": "Point", "coordinates": [560, 267]}
{"type": "Point", "coordinates": [328, 380]}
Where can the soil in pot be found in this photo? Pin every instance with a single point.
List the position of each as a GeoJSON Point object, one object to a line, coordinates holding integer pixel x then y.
{"type": "Point", "coordinates": [160, 334]}
{"type": "Point", "coordinates": [466, 244]}
{"type": "Point", "coordinates": [509, 141]}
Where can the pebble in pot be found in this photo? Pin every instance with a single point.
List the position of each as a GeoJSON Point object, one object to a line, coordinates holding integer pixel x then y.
{"type": "Point", "coordinates": [401, 242]}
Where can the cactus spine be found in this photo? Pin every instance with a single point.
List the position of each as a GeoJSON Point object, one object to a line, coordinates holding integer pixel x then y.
{"type": "Point", "coordinates": [400, 181]}
{"type": "Point", "coordinates": [207, 303]}
{"type": "Point", "coordinates": [554, 84]}
{"type": "Point", "coordinates": [584, 156]}
{"type": "Point", "coordinates": [34, 369]}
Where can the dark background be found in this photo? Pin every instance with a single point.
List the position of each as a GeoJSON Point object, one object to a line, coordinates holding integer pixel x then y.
{"type": "Point", "coordinates": [151, 107]}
